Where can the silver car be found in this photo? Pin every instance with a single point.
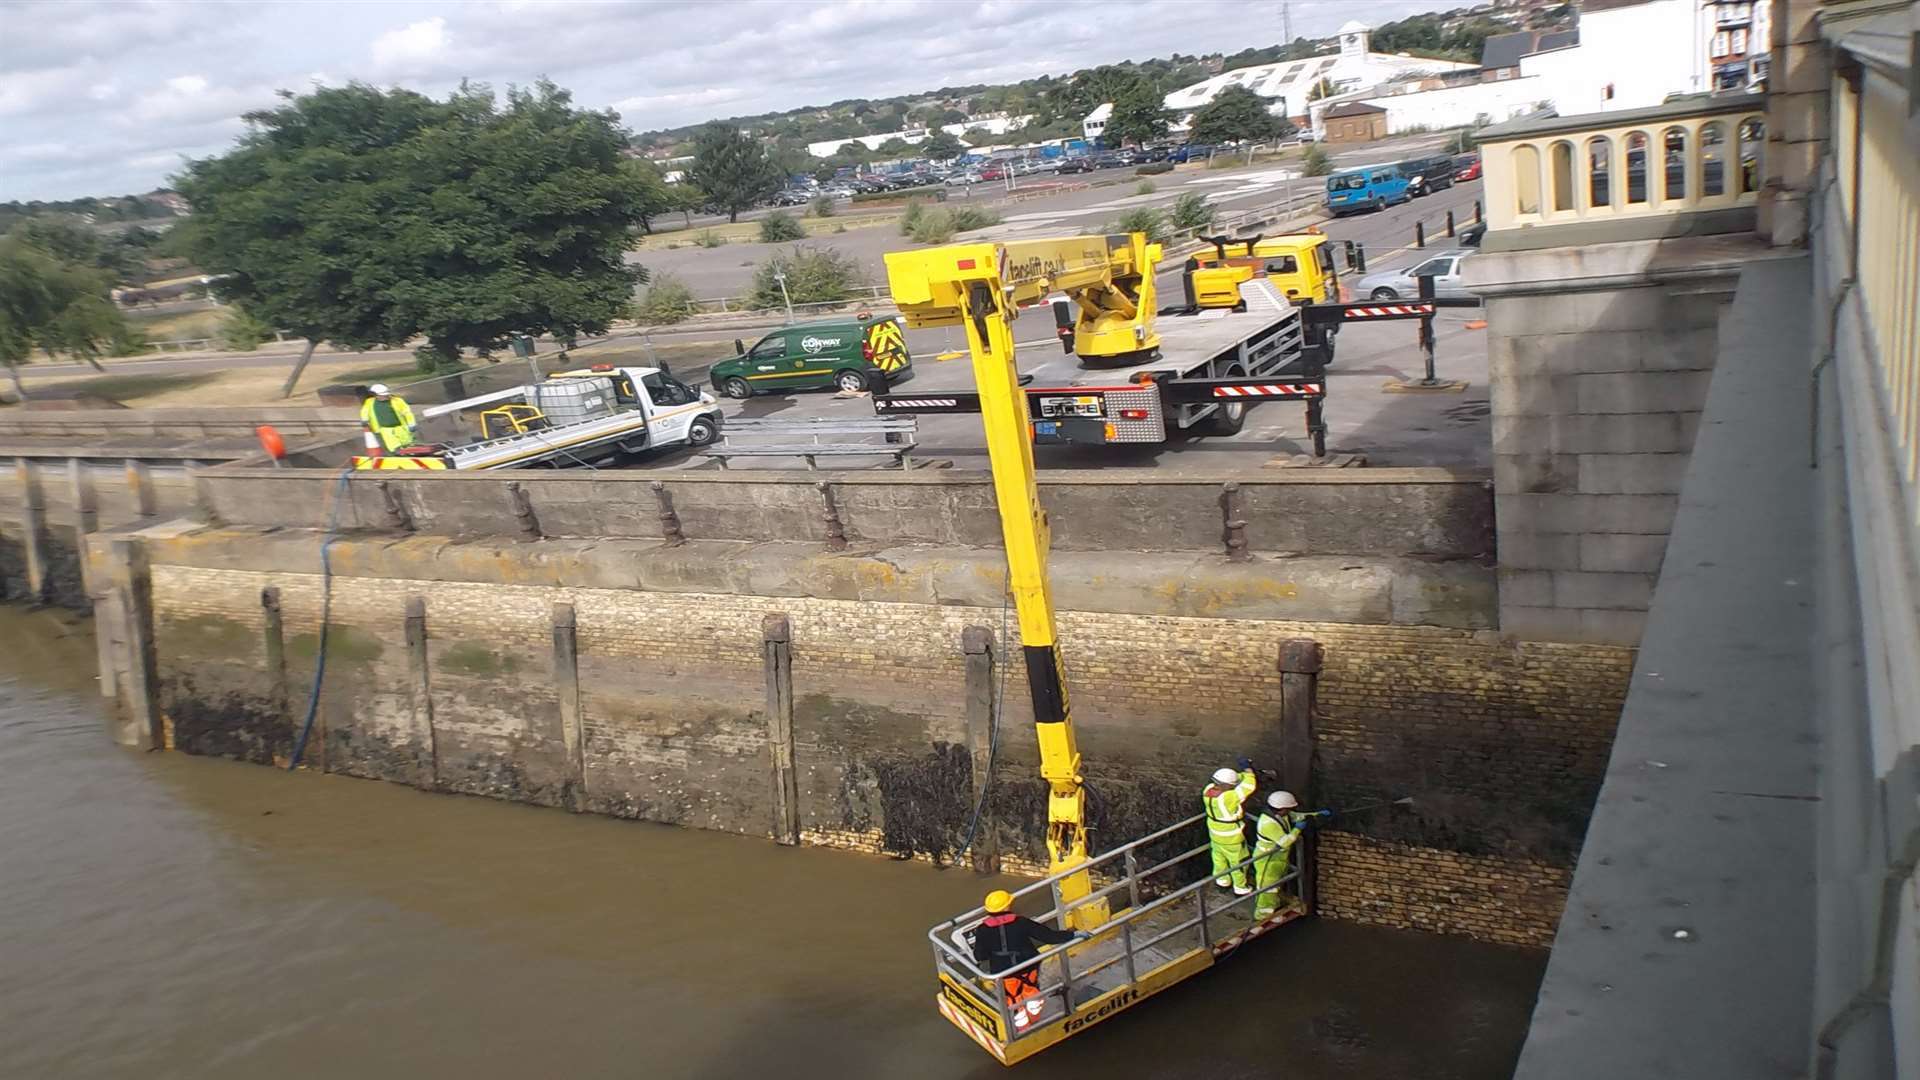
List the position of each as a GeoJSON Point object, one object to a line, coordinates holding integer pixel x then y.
{"type": "Point", "coordinates": [1402, 284]}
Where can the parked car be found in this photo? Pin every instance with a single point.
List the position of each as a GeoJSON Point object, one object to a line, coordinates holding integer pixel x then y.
{"type": "Point", "coordinates": [1403, 284]}
{"type": "Point", "coordinates": [1375, 187]}
{"type": "Point", "coordinates": [993, 172]}
{"type": "Point", "coordinates": [1427, 175]}
{"type": "Point", "coordinates": [1466, 167]}
{"type": "Point", "coordinates": [1076, 165]}
{"type": "Point", "coordinates": [850, 353]}
{"type": "Point", "coordinates": [1107, 161]}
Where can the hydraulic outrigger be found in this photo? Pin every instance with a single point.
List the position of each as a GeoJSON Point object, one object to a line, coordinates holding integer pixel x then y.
{"type": "Point", "coordinates": [980, 287]}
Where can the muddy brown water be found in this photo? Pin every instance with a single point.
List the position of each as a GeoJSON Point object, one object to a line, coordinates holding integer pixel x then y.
{"type": "Point", "coordinates": [170, 916]}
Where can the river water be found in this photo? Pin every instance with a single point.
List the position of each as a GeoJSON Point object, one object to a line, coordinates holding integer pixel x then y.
{"type": "Point", "coordinates": [170, 916]}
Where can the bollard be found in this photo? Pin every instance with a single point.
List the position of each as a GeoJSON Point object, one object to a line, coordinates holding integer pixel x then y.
{"type": "Point", "coordinates": [1360, 256]}
{"type": "Point", "coordinates": [1419, 234]}
{"type": "Point", "coordinates": [776, 635]}
{"type": "Point", "coordinates": [1349, 244]}
{"type": "Point", "coordinates": [1233, 511]}
{"type": "Point", "coordinates": [836, 532]}
{"type": "Point", "coordinates": [1450, 231]}
{"type": "Point", "coordinates": [669, 520]}
{"type": "Point", "coordinates": [1426, 332]}
{"type": "Point", "coordinates": [1476, 211]}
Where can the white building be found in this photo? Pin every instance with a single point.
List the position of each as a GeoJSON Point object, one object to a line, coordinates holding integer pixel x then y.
{"type": "Point", "coordinates": [972, 132]}
{"type": "Point", "coordinates": [1288, 82]}
{"type": "Point", "coordinates": [1630, 54]}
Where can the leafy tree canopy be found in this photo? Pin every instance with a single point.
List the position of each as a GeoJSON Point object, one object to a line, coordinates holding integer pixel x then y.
{"type": "Point", "coordinates": [733, 169]}
{"type": "Point", "coordinates": [368, 217]}
{"type": "Point", "coordinates": [1236, 113]}
{"type": "Point", "coordinates": [1138, 116]}
{"type": "Point", "coordinates": [942, 145]}
{"type": "Point", "coordinates": [52, 303]}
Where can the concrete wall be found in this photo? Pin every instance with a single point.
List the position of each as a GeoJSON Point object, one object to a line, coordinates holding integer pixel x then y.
{"type": "Point", "coordinates": [1394, 512]}
{"type": "Point", "coordinates": [1502, 743]}
{"type": "Point", "coordinates": [1599, 363]}
{"type": "Point", "coordinates": [153, 425]}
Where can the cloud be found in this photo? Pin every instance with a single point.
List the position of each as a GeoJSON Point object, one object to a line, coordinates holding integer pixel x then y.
{"type": "Point", "coordinates": [125, 87]}
{"type": "Point", "coordinates": [415, 46]}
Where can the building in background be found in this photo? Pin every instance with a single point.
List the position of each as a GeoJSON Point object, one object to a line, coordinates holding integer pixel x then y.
{"type": "Point", "coordinates": [1354, 122]}
{"type": "Point", "coordinates": [1500, 54]}
{"type": "Point", "coordinates": [1737, 48]}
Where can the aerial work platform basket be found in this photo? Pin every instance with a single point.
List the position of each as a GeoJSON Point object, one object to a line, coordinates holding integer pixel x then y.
{"type": "Point", "coordinates": [1166, 927]}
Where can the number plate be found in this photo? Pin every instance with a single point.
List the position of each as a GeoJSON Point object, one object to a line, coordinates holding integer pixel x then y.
{"type": "Point", "coordinates": [1081, 405]}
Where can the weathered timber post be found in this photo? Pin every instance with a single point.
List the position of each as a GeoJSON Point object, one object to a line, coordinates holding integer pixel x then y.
{"type": "Point", "coordinates": [131, 578]}
{"type": "Point", "coordinates": [273, 644]}
{"type": "Point", "coordinates": [777, 656]}
{"type": "Point", "coordinates": [566, 684]}
{"type": "Point", "coordinates": [86, 515]}
{"type": "Point", "coordinates": [33, 528]}
{"type": "Point", "coordinates": [420, 687]}
{"type": "Point", "coordinates": [830, 510]}
{"type": "Point", "coordinates": [976, 642]}
{"type": "Point", "coordinates": [522, 507]}
{"type": "Point", "coordinates": [1300, 660]}
{"type": "Point", "coordinates": [140, 487]}
{"type": "Point", "coordinates": [1233, 511]}
{"type": "Point", "coordinates": [107, 622]}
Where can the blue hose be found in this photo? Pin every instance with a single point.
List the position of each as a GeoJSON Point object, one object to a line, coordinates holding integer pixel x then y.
{"type": "Point", "coordinates": [326, 615]}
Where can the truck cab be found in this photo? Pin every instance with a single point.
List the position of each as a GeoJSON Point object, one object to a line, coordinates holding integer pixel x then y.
{"type": "Point", "coordinates": [1298, 265]}
{"type": "Point", "coordinates": [852, 353]}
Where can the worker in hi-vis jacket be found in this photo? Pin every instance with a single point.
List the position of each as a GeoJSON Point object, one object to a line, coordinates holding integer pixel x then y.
{"type": "Point", "coordinates": [1226, 824]}
{"type": "Point", "coordinates": [387, 415]}
{"type": "Point", "coordinates": [1275, 832]}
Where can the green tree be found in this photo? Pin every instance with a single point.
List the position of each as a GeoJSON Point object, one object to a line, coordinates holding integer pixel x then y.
{"type": "Point", "coordinates": [733, 169]}
{"type": "Point", "coordinates": [50, 303]}
{"type": "Point", "coordinates": [942, 145]}
{"type": "Point", "coordinates": [1322, 89]}
{"type": "Point", "coordinates": [779, 227]}
{"type": "Point", "coordinates": [894, 147]}
{"type": "Point", "coordinates": [685, 200]}
{"type": "Point", "coordinates": [1315, 162]}
{"type": "Point", "coordinates": [1145, 219]}
{"type": "Point", "coordinates": [1138, 116]}
{"type": "Point", "coordinates": [668, 300]}
{"type": "Point", "coordinates": [1235, 113]}
{"type": "Point", "coordinates": [654, 195]}
{"type": "Point", "coordinates": [1191, 212]}
{"type": "Point", "coordinates": [814, 276]}
{"type": "Point", "coordinates": [369, 217]}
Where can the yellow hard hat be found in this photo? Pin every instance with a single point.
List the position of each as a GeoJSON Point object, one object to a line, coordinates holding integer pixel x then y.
{"type": "Point", "coordinates": [998, 901]}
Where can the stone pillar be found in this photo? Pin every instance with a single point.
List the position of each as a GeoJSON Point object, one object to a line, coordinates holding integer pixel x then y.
{"type": "Point", "coordinates": [777, 655]}
{"type": "Point", "coordinates": [420, 689]}
{"type": "Point", "coordinates": [566, 683]}
{"type": "Point", "coordinates": [976, 642]}
{"type": "Point", "coordinates": [1300, 660]}
{"type": "Point", "coordinates": [107, 622]}
{"type": "Point", "coordinates": [130, 577]}
{"type": "Point", "coordinates": [1798, 119]}
{"type": "Point", "coordinates": [33, 529]}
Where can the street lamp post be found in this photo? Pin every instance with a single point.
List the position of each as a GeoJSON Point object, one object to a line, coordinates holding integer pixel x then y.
{"type": "Point", "coordinates": [781, 277]}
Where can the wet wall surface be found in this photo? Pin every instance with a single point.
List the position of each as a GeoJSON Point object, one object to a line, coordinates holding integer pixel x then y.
{"type": "Point", "coordinates": [171, 916]}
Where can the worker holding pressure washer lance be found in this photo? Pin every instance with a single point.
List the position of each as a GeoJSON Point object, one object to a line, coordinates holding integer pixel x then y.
{"type": "Point", "coordinates": [1277, 829]}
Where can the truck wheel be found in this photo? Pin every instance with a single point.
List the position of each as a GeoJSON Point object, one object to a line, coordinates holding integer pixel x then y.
{"type": "Point", "coordinates": [1231, 416]}
{"type": "Point", "coordinates": [850, 380]}
{"type": "Point", "coordinates": [702, 431]}
{"type": "Point", "coordinates": [737, 387]}
{"type": "Point", "coordinates": [1384, 293]}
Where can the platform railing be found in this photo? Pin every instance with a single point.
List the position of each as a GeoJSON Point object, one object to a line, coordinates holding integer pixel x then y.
{"type": "Point", "coordinates": [1146, 893]}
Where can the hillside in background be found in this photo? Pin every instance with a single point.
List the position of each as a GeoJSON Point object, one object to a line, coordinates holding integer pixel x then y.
{"type": "Point", "coordinates": [114, 209]}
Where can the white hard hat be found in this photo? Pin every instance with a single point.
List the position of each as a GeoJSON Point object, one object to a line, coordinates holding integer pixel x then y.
{"type": "Point", "coordinates": [1225, 776]}
{"type": "Point", "coordinates": [378, 389]}
{"type": "Point", "coordinates": [1282, 800]}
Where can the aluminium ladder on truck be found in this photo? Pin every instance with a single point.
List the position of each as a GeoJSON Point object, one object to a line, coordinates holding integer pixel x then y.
{"type": "Point", "coordinates": [1164, 928]}
{"type": "Point", "coordinates": [564, 443]}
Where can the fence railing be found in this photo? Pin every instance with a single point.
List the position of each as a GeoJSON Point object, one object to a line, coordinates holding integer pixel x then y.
{"type": "Point", "coordinates": [1688, 156]}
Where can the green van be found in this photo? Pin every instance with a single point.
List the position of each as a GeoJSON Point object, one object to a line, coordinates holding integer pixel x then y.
{"type": "Point", "coordinates": [850, 352]}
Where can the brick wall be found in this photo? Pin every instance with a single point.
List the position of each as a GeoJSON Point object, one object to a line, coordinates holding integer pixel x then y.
{"type": "Point", "coordinates": [1502, 744]}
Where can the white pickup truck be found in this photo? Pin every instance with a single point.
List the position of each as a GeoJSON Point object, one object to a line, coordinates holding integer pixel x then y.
{"type": "Point", "coordinates": [577, 418]}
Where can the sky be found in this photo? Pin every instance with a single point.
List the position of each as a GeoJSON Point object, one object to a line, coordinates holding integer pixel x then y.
{"type": "Point", "coordinates": [109, 98]}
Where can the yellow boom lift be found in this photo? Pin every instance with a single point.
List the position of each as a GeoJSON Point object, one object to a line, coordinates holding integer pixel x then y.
{"type": "Point", "coordinates": [1151, 926]}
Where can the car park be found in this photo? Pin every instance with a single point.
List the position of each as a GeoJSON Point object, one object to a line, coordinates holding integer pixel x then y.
{"type": "Point", "coordinates": [1444, 267]}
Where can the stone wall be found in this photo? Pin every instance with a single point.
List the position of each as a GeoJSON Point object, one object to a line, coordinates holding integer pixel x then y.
{"type": "Point", "coordinates": [1501, 744]}
{"type": "Point", "coordinates": [1599, 360]}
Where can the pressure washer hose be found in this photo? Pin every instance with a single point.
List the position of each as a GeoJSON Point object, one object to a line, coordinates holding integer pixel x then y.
{"type": "Point", "coordinates": [326, 617]}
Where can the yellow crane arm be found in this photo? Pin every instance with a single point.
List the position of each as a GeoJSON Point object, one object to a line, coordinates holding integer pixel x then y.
{"type": "Point", "coordinates": [978, 287]}
{"type": "Point", "coordinates": [1108, 278]}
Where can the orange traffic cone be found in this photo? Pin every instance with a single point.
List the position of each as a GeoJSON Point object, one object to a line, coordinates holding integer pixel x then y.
{"type": "Point", "coordinates": [374, 447]}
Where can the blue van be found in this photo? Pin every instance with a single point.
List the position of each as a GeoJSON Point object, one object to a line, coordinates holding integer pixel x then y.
{"type": "Point", "coordinates": [1375, 187]}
